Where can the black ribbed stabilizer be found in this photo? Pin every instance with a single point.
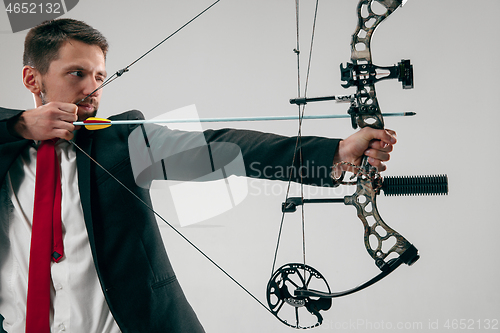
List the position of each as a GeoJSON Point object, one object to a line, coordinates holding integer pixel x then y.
{"type": "Point", "coordinates": [415, 185]}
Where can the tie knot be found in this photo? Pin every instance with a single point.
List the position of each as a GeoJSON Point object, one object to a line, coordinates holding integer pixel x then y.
{"type": "Point", "coordinates": [49, 142]}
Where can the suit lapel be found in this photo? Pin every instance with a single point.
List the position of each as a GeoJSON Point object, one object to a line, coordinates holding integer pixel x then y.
{"type": "Point", "coordinates": [84, 141]}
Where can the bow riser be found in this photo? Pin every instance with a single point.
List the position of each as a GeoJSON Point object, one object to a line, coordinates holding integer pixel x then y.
{"type": "Point", "coordinates": [380, 240]}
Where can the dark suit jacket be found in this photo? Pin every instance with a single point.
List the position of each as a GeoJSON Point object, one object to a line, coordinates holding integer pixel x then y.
{"type": "Point", "coordinates": [135, 273]}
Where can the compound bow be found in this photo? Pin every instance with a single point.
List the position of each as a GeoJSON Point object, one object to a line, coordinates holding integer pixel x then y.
{"type": "Point", "coordinates": [288, 290]}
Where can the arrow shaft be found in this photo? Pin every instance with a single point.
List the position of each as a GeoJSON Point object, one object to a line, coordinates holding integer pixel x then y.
{"type": "Point", "coordinates": [230, 119]}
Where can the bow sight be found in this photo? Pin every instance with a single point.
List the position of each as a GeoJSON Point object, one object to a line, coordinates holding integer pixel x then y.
{"type": "Point", "coordinates": [362, 76]}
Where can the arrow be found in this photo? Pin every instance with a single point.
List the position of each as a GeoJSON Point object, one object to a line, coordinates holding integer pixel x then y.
{"type": "Point", "coordinates": [93, 123]}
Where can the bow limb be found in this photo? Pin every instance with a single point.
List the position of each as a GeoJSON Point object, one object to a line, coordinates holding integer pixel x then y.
{"type": "Point", "coordinates": [361, 72]}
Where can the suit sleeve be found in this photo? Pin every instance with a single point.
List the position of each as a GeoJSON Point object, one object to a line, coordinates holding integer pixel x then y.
{"type": "Point", "coordinates": [7, 115]}
{"type": "Point", "coordinates": [273, 157]}
{"type": "Point", "coordinates": [156, 153]}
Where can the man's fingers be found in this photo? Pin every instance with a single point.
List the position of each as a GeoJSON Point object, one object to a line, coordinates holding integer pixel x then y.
{"type": "Point", "coordinates": [67, 117]}
{"type": "Point", "coordinates": [66, 107]}
{"type": "Point", "coordinates": [391, 132]}
{"type": "Point", "coordinates": [63, 134]}
{"type": "Point", "coordinates": [376, 144]}
{"type": "Point", "coordinates": [380, 145]}
{"type": "Point", "coordinates": [68, 111]}
{"type": "Point", "coordinates": [387, 136]}
{"type": "Point", "coordinates": [62, 116]}
{"type": "Point", "coordinates": [57, 119]}
{"type": "Point", "coordinates": [377, 163]}
{"type": "Point", "coordinates": [378, 154]}
{"type": "Point", "coordinates": [52, 120]}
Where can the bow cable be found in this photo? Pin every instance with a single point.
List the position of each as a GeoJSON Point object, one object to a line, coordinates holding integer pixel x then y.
{"type": "Point", "coordinates": [298, 143]}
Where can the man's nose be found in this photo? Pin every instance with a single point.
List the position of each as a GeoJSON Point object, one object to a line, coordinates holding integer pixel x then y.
{"type": "Point", "coordinates": [92, 86]}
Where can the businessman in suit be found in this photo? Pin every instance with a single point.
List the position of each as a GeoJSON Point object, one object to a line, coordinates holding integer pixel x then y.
{"type": "Point", "coordinates": [115, 275]}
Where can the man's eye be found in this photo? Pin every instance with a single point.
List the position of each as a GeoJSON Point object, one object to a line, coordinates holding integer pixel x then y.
{"type": "Point", "coordinates": [76, 73]}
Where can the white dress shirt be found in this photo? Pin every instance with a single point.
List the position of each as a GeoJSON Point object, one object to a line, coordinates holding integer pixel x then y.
{"type": "Point", "coordinates": [77, 300]}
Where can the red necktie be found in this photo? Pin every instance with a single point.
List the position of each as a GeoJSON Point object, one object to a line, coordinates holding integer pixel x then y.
{"type": "Point", "coordinates": [46, 238]}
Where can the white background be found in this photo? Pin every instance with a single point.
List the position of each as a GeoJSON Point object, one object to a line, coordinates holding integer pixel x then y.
{"type": "Point", "coordinates": [237, 60]}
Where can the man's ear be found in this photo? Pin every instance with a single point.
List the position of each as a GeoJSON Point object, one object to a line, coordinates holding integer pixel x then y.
{"type": "Point", "coordinates": [32, 79]}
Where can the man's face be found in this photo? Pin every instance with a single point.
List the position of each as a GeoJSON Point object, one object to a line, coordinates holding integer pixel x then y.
{"type": "Point", "coordinates": [79, 69]}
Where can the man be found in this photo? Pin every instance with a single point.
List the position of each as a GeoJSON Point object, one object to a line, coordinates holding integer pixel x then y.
{"type": "Point", "coordinates": [115, 274]}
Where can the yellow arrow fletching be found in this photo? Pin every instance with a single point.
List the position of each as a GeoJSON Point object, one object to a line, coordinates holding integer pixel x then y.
{"type": "Point", "coordinates": [93, 124]}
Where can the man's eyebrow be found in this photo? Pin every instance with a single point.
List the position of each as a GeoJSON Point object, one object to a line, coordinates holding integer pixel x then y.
{"type": "Point", "coordinates": [74, 67]}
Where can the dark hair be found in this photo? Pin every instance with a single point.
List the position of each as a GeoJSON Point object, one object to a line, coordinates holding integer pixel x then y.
{"type": "Point", "coordinates": [43, 42]}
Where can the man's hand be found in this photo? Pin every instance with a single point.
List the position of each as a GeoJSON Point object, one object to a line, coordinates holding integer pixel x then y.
{"type": "Point", "coordinates": [376, 144]}
{"type": "Point", "coordinates": [49, 121]}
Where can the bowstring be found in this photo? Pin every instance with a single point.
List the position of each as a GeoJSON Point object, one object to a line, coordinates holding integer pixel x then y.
{"type": "Point", "coordinates": [120, 72]}
{"type": "Point", "coordinates": [298, 142]}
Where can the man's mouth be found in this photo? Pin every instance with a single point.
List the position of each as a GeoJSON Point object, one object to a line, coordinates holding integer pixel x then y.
{"type": "Point", "coordinates": [87, 107]}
